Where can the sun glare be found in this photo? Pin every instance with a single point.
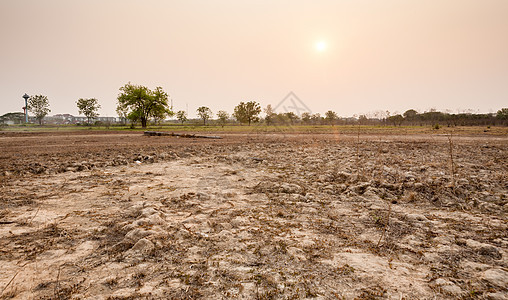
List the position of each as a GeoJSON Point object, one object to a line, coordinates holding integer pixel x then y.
{"type": "Point", "coordinates": [320, 46]}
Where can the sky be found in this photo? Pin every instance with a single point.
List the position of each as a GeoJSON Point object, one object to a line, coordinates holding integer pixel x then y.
{"type": "Point", "coordinates": [349, 56]}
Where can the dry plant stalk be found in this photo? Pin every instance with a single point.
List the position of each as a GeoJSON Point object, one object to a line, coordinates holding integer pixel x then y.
{"type": "Point", "coordinates": [57, 284]}
{"type": "Point", "coordinates": [12, 279]}
{"type": "Point", "coordinates": [358, 151]}
{"type": "Point", "coordinates": [452, 165]}
{"type": "Point", "coordinates": [386, 223]}
{"type": "Point", "coordinates": [35, 215]}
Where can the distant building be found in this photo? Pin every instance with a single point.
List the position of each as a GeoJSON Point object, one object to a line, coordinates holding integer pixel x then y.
{"type": "Point", "coordinates": [107, 119]}
{"type": "Point", "coordinates": [76, 120]}
{"type": "Point", "coordinates": [12, 118]}
{"type": "Point", "coordinates": [61, 119]}
{"type": "Point", "coordinates": [58, 119]}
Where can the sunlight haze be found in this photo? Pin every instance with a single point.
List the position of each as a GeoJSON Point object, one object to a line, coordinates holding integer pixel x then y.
{"type": "Point", "coordinates": [351, 57]}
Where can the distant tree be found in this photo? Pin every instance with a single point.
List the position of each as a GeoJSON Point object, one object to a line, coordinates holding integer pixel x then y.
{"type": "Point", "coordinates": [362, 119]}
{"type": "Point", "coordinates": [223, 117]}
{"type": "Point", "coordinates": [330, 117]}
{"type": "Point", "coordinates": [142, 103]}
{"type": "Point", "coordinates": [204, 113]}
{"type": "Point", "coordinates": [291, 116]}
{"type": "Point", "coordinates": [89, 107]}
{"type": "Point", "coordinates": [270, 114]}
{"type": "Point", "coordinates": [161, 109]}
{"type": "Point", "coordinates": [281, 118]}
{"type": "Point", "coordinates": [316, 118]}
{"type": "Point", "coordinates": [502, 114]}
{"type": "Point", "coordinates": [396, 120]}
{"type": "Point", "coordinates": [39, 106]}
{"type": "Point", "coordinates": [410, 114]}
{"type": "Point", "coordinates": [306, 118]}
{"type": "Point", "coordinates": [247, 112]}
{"type": "Point", "coordinates": [181, 115]}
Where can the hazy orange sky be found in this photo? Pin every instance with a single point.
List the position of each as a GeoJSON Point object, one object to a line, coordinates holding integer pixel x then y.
{"type": "Point", "coordinates": [378, 55]}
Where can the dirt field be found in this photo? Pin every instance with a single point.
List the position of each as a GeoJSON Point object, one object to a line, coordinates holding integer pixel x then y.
{"type": "Point", "coordinates": [98, 215]}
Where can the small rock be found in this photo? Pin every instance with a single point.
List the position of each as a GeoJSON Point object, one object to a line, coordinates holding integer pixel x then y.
{"type": "Point", "coordinates": [143, 245]}
{"type": "Point", "coordinates": [309, 197]}
{"type": "Point", "coordinates": [240, 221]}
{"type": "Point", "coordinates": [290, 188]}
{"type": "Point", "coordinates": [448, 287]}
{"type": "Point", "coordinates": [203, 196]}
{"type": "Point", "coordinates": [452, 289]}
{"type": "Point", "coordinates": [409, 176]}
{"type": "Point", "coordinates": [298, 198]}
{"type": "Point", "coordinates": [496, 296]}
{"type": "Point", "coordinates": [148, 211]}
{"type": "Point", "coordinates": [360, 188]}
{"type": "Point", "coordinates": [416, 218]}
{"type": "Point", "coordinates": [137, 234]}
{"type": "Point", "coordinates": [496, 277]}
{"type": "Point", "coordinates": [225, 234]}
{"type": "Point", "coordinates": [484, 249]}
{"type": "Point", "coordinates": [296, 253]}
{"type": "Point", "coordinates": [155, 219]}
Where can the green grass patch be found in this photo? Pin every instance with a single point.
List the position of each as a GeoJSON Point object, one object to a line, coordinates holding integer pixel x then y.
{"type": "Point", "coordinates": [272, 129]}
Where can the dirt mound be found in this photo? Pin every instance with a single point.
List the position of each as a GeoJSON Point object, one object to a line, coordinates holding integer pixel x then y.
{"type": "Point", "coordinates": [258, 218]}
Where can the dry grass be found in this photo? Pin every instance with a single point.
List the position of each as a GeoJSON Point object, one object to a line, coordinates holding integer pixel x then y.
{"type": "Point", "coordinates": [301, 221]}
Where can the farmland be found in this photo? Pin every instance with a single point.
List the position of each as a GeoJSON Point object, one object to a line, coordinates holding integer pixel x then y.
{"type": "Point", "coordinates": [260, 214]}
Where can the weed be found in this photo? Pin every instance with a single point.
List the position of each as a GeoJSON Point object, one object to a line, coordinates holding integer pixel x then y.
{"type": "Point", "coordinates": [452, 164]}
{"type": "Point", "coordinates": [386, 224]}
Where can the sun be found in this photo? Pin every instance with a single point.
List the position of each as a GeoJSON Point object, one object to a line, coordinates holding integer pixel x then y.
{"type": "Point", "coordinates": [321, 46]}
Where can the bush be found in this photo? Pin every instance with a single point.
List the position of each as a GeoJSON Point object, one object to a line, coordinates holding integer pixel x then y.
{"type": "Point", "coordinates": [436, 126]}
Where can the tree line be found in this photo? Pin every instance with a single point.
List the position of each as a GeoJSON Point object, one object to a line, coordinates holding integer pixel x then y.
{"type": "Point", "coordinates": [139, 104]}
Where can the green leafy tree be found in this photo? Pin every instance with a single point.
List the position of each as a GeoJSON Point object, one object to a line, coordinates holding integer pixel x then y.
{"type": "Point", "coordinates": [316, 118]}
{"type": "Point", "coordinates": [39, 106]}
{"type": "Point", "coordinates": [181, 115]}
{"type": "Point", "coordinates": [281, 118]}
{"type": "Point", "coordinates": [330, 117]}
{"type": "Point", "coordinates": [291, 116]}
{"type": "Point", "coordinates": [143, 104]}
{"type": "Point", "coordinates": [410, 114]}
{"type": "Point", "coordinates": [223, 117]}
{"type": "Point", "coordinates": [306, 117]}
{"type": "Point", "coordinates": [247, 112]}
{"type": "Point", "coordinates": [89, 107]}
{"type": "Point", "coordinates": [396, 120]}
{"type": "Point", "coordinates": [161, 109]}
{"type": "Point", "coordinates": [204, 113]}
{"type": "Point", "coordinates": [502, 114]}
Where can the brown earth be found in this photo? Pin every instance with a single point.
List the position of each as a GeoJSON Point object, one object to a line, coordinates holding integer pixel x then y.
{"type": "Point", "coordinates": [108, 215]}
